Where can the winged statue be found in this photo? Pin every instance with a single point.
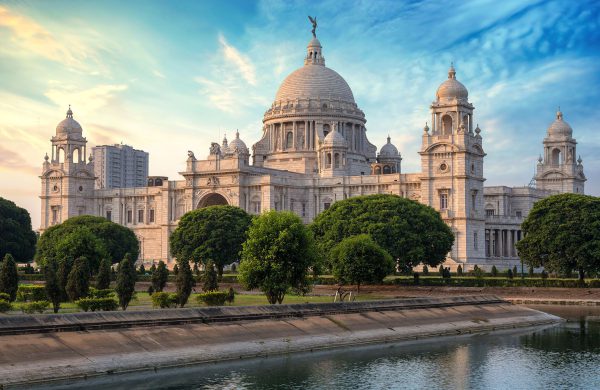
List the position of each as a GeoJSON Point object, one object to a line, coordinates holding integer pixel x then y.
{"type": "Point", "coordinates": [314, 24]}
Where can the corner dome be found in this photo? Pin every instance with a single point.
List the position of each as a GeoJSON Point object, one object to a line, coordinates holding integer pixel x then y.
{"type": "Point", "coordinates": [237, 146]}
{"type": "Point", "coordinates": [68, 125]}
{"type": "Point", "coordinates": [452, 88]}
{"type": "Point", "coordinates": [559, 127]}
{"type": "Point", "coordinates": [335, 138]}
{"type": "Point", "coordinates": [388, 150]}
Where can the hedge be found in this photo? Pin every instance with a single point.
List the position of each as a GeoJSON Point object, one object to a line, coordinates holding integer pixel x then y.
{"type": "Point", "coordinates": [164, 300]}
{"type": "Point", "coordinates": [97, 304]}
{"type": "Point", "coordinates": [35, 306]}
{"type": "Point", "coordinates": [31, 292]}
{"type": "Point", "coordinates": [5, 305]}
{"type": "Point", "coordinates": [213, 298]}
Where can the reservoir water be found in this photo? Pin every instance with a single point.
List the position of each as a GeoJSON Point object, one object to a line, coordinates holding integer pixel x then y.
{"type": "Point", "coordinates": [565, 356]}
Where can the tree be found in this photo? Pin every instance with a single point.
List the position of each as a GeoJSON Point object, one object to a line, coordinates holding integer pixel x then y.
{"type": "Point", "coordinates": [103, 276]}
{"type": "Point", "coordinates": [160, 277]}
{"type": "Point", "coordinates": [514, 271]}
{"type": "Point", "coordinates": [9, 278]}
{"type": "Point", "coordinates": [459, 270]}
{"type": "Point", "coordinates": [52, 286]}
{"type": "Point", "coordinates": [115, 240]}
{"type": "Point", "coordinates": [78, 282]}
{"type": "Point", "coordinates": [359, 259]}
{"type": "Point", "coordinates": [184, 283]}
{"type": "Point", "coordinates": [175, 269]}
{"type": "Point", "coordinates": [126, 278]}
{"type": "Point", "coordinates": [562, 234]}
{"type": "Point", "coordinates": [196, 270]}
{"type": "Point", "coordinates": [64, 268]}
{"type": "Point", "coordinates": [425, 270]}
{"type": "Point", "coordinates": [277, 255]}
{"type": "Point", "coordinates": [16, 236]}
{"type": "Point", "coordinates": [211, 233]}
{"type": "Point", "coordinates": [81, 242]}
{"type": "Point", "coordinates": [509, 273]}
{"type": "Point", "coordinates": [409, 231]}
{"type": "Point", "coordinates": [209, 279]}
{"type": "Point", "coordinates": [494, 271]}
{"type": "Point", "coordinates": [152, 268]}
{"type": "Point", "coordinates": [142, 270]}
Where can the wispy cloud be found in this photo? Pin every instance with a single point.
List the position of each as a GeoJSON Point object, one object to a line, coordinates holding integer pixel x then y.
{"type": "Point", "coordinates": [90, 99]}
{"type": "Point", "coordinates": [242, 63]}
{"type": "Point", "coordinates": [13, 161]}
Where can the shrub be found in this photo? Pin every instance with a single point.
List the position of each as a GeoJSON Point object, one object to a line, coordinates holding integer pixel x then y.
{"type": "Point", "coordinates": [78, 281]}
{"type": "Point", "coordinates": [209, 279]}
{"type": "Point", "coordinates": [164, 300]}
{"type": "Point", "coordinates": [104, 293]}
{"type": "Point", "coordinates": [509, 273]}
{"type": "Point", "coordinates": [478, 272]}
{"type": "Point", "coordinates": [5, 305]}
{"type": "Point", "coordinates": [416, 278]}
{"type": "Point", "coordinates": [103, 276]}
{"type": "Point", "coordinates": [34, 307]}
{"type": "Point", "coordinates": [515, 271]}
{"type": "Point", "coordinates": [142, 270]}
{"type": "Point", "coordinates": [213, 298]}
{"type": "Point", "coordinates": [230, 295]}
{"type": "Point", "coordinates": [160, 276]}
{"type": "Point", "coordinates": [494, 271]}
{"type": "Point", "coordinates": [441, 270]}
{"type": "Point", "coordinates": [4, 296]}
{"type": "Point", "coordinates": [425, 270]}
{"type": "Point", "coordinates": [31, 292]}
{"type": "Point", "coordinates": [184, 283]}
{"type": "Point", "coordinates": [150, 290]}
{"type": "Point", "coordinates": [9, 277]}
{"type": "Point", "coordinates": [544, 274]}
{"type": "Point", "coordinates": [530, 271]}
{"type": "Point", "coordinates": [97, 304]}
{"type": "Point", "coordinates": [459, 270]}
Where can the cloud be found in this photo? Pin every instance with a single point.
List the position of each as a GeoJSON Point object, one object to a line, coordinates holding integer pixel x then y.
{"type": "Point", "coordinates": [13, 161]}
{"type": "Point", "coordinates": [87, 100]}
{"type": "Point", "coordinates": [158, 74]}
{"type": "Point", "coordinates": [242, 63]}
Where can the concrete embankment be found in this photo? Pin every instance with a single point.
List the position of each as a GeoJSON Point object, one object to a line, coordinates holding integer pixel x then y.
{"type": "Point", "coordinates": [35, 349]}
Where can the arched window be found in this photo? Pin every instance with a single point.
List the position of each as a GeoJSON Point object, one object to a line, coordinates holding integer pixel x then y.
{"type": "Point", "coordinates": [387, 170]}
{"type": "Point", "coordinates": [289, 140]}
{"type": "Point", "coordinates": [328, 161]}
{"type": "Point", "coordinates": [446, 125]}
{"type": "Point", "coordinates": [378, 170]}
{"type": "Point", "coordinates": [337, 160]}
{"type": "Point", "coordinates": [158, 183]}
{"type": "Point", "coordinates": [60, 155]}
{"type": "Point", "coordinates": [556, 157]}
{"type": "Point", "coordinates": [466, 122]}
{"type": "Point", "coordinates": [75, 159]}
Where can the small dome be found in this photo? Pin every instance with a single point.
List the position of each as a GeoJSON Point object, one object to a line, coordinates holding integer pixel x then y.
{"type": "Point", "coordinates": [68, 125]}
{"type": "Point", "coordinates": [388, 150]}
{"type": "Point", "coordinates": [559, 127]}
{"type": "Point", "coordinates": [237, 146]}
{"type": "Point", "coordinates": [452, 88]}
{"type": "Point", "coordinates": [335, 138]}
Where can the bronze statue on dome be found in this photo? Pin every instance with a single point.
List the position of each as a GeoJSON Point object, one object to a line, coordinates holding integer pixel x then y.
{"type": "Point", "coordinates": [314, 24]}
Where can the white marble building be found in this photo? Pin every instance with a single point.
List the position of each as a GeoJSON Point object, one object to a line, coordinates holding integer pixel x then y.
{"type": "Point", "coordinates": [313, 152]}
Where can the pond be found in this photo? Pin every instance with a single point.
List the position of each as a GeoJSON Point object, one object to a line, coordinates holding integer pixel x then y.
{"type": "Point", "coordinates": [565, 356]}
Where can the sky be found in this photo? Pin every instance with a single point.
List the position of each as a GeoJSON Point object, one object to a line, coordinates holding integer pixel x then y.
{"type": "Point", "coordinates": [171, 76]}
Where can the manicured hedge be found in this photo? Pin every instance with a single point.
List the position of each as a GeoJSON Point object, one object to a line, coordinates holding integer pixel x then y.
{"type": "Point", "coordinates": [164, 300]}
{"type": "Point", "coordinates": [35, 306]}
{"type": "Point", "coordinates": [97, 304]}
{"type": "Point", "coordinates": [213, 298]}
{"type": "Point", "coordinates": [31, 292]}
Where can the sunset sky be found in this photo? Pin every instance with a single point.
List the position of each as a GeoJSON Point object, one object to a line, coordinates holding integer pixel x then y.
{"type": "Point", "coordinates": [172, 76]}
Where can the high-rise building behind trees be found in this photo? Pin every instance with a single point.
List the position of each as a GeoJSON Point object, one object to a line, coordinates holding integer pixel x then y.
{"type": "Point", "coordinates": [120, 166]}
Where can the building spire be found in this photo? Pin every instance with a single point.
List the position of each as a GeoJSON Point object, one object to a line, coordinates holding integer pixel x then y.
{"type": "Point", "coordinates": [451, 71]}
{"type": "Point", "coordinates": [69, 112]}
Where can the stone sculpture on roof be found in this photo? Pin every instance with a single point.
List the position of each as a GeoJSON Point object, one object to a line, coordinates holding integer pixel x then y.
{"type": "Point", "coordinates": [314, 24]}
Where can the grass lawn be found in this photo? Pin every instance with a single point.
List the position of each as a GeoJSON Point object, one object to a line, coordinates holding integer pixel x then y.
{"type": "Point", "coordinates": [144, 302]}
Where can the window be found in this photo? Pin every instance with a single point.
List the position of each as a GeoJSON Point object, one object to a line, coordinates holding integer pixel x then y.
{"type": "Point", "coordinates": [337, 160]}
{"type": "Point", "coordinates": [326, 206]}
{"type": "Point", "coordinates": [474, 199]}
{"type": "Point", "coordinates": [443, 201]}
{"type": "Point", "coordinates": [256, 207]}
{"type": "Point", "coordinates": [140, 216]}
{"type": "Point", "coordinates": [490, 212]}
{"type": "Point", "coordinates": [475, 244]}
{"type": "Point", "coordinates": [289, 140]}
{"type": "Point", "coordinates": [519, 214]}
{"type": "Point", "coordinates": [109, 215]}
{"type": "Point", "coordinates": [304, 209]}
{"type": "Point", "coordinates": [151, 217]}
{"type": "Point", "coordinates": [54, 215]}
{"type": "Point", "coordinates": [129, 216]}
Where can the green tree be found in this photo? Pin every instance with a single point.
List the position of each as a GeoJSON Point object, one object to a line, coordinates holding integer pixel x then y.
{"type": "Point", "coordinates": [52, 286]}
{"type": "Point", "coordinates": [425, 270]}
{"type": "Point", "coordinates": [562, 234]}
{"type": "Point", "coordinates": [126, 278]}
{"type": "Point", "coordinates": [184, 283]}
{"type": "Point", "coordinates": [459, 270]}
{"type": "Point", "coordinates": [175, 269]}
{"type": "Point", "coordinates": [103, 276]}
{"type": "Point", "coordinates": [494, 271]}
{"type": "Point", "coordinates": [277, 255]}
{"type": "Point", "coordinates": [81, 242]}
{"type": "Point", "coordinates": [515, 272]}
{"type": "Point", "coordinates": [64, 268]}
{"type": "Point", "coordinates": [142, 270]}
{"type": "Point", "coordinates": [9, 278]}
{"type": "Point", "coordinates": [359, 259]}
{"type": "Point", "coordinates": [160, 277]}
{"type": "Point", "coordinates": [209, 278]}
{"type": "Point", "coordinates": [509, 273]}
{"type": "Point", "coordinates": [409, 231]}
{"type": "Point", "coordinates": [16, 236]}
{"type": "Point", "coordinates": [152, 268]}
{"type": "Point", "coordinates": [78, 282]}
{"type": "Point", "coordinates": [211, 233]}
{"type": "Point", "coordinates": [115, 240]}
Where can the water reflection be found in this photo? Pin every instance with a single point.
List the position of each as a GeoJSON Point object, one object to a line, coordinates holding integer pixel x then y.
{"type": "Point", "coordinates": [560, 357]}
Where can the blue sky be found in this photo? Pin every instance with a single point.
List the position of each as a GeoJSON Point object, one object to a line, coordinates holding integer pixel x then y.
{"type": "Point", "coordinates": [168, 77]}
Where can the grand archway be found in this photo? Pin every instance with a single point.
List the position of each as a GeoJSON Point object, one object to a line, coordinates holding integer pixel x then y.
{"type": "Point", "coordinates": [213, 199]}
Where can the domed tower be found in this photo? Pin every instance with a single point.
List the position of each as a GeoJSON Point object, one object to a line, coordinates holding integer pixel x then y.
{"type": "Point", "coordinates": [310, 102]}
{"type": "Point", "coordinates": [558, 170]}
{"type": "Point", "coordinates": [237, 149]}
{"type": "Point", "coordinates": [332, 154]}
{"type": "Point", "coordinates": [388, 160]}
{"type": "Point", "coordinates": [67, 179]}
{"type": "Point", "coordinates": [452, 169]}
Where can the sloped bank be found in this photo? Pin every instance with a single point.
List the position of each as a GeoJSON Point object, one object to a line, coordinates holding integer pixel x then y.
{"type": "Point", "coordinates": [35, 349]}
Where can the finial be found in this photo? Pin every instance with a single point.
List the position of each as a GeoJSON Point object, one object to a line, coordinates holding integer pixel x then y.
{"type": "Point", "coordinates": [559, 114]}
{"type": "Point", "coordinates": [426, 128]}
{"type": "Point", "coordinates": [225, 138]}
{"type": "Point", "coordinates": [451, 71]}
{"type": "Point", "coordinates": [91, 158]}
{"type": "Point", "coordinates": [477, 129]}
{"type": "Point", "coordinates": [69, 112]}
{"type": "Point", "coordinates": [389, 139]}
{"type": "Point", "coordinates": [540, 159]}
{"type": "Point", "coordinates": [46, 157]}
{"type": "Point", "coordinates": [579, 160]}
{"type": "Point", "coordinates": [314, 25]}
{"type": "Point", "coordinates": [237, 134]}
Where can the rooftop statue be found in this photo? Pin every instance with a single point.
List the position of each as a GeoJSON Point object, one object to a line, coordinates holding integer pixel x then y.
{"type": "Point", "coordinates": [314, 24]}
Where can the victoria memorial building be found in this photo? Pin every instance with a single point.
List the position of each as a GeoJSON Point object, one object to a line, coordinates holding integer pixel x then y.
{"type": "Point", "coordinates": [313, 152]}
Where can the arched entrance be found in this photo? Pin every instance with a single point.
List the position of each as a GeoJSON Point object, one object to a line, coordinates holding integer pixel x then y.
{"type": "Point", "coordinates": [213, 199]}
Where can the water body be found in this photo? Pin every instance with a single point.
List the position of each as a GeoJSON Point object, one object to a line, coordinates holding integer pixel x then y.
{"type": "Point", "coordinates": [565, 356]}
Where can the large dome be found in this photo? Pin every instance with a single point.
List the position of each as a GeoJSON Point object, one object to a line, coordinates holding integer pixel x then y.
{"type": "Point", "coordinates": [452, 88]}
{"type": "Point", "coordinates": [314, 82]}
{"type": "Point", "coordinates": [559, 127]}
{"type": "Point", "coordinates": [388, 150]}
{"type": "Point", "coordinates": [68, 125]}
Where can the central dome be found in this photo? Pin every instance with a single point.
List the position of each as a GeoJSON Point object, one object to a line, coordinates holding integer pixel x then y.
{"type": "Point", "coordinates": [314, 80]}
{"type": "Point", "coordinates": [452, 88]}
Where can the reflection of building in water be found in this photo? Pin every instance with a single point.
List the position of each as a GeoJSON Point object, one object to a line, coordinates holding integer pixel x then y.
{"type": "Point", "coordinates": [314, 151]}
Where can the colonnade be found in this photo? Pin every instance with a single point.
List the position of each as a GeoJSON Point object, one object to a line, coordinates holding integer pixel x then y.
{"type": "Point", "coordinates": [305, 135]}
{"type": "Point", "coordinates": [501, 242]}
